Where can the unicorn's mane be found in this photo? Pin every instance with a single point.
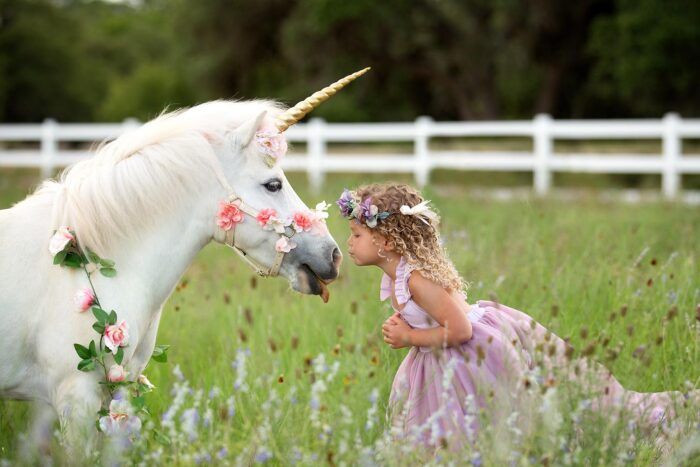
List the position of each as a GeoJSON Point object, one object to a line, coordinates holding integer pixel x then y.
{"type": "Point", "coordinates": [145, 172]}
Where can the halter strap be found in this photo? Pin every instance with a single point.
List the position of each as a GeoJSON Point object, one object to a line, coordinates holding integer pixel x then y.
{"type": "Point", "coordinates": [230, 241]}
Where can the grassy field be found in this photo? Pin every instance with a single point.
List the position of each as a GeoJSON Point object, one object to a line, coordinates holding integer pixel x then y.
{"type": "Point", "coordinates": [587, 260]}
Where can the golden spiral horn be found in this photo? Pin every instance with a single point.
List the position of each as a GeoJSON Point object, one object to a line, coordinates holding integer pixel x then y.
{"type": "Point", "coordinates": [296, 113]}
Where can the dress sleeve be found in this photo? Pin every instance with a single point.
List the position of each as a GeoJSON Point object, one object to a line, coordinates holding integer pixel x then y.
{"type": "Point", "coordinates": [403, 273]}
{"type": "Point", "coordinates": [385, 288]}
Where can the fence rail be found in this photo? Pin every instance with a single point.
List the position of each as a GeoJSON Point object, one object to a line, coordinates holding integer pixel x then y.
{"type": "Point", "coordinates": [542, 160]}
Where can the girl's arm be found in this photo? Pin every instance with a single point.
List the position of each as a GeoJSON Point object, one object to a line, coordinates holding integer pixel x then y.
{"type": "Point", "coordinates": [454, 326]}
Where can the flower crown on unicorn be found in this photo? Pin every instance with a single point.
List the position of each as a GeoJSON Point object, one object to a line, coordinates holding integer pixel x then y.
{"type": "Point", "coordinates": [351, 207]}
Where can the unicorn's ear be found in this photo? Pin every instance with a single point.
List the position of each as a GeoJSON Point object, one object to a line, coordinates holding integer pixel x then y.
{"type": "Point", "coordinates": [243, 135]}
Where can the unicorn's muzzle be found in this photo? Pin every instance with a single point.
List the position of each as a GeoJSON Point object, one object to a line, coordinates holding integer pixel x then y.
{"type": "Point", "coordinates": [313, 277]}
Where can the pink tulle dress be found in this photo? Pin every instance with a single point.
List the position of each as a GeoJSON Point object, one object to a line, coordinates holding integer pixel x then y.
{"type": "Point", "coordinates": [436, 393]}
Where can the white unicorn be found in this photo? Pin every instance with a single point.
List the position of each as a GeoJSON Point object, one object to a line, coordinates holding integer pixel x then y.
{"type": "Point", "coordinates": [149, 201]}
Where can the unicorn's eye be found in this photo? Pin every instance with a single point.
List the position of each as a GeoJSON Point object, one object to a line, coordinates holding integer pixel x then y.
{"type": "Point", "coordinates": [273, 185]}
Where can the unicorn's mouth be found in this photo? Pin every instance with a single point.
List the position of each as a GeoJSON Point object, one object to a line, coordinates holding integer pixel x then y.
{"type": "Point", "coordinates": [314, 284]}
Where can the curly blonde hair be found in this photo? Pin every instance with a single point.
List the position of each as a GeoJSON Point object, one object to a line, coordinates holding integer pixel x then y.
{"type": "Point", "coordinates": [414, 239]}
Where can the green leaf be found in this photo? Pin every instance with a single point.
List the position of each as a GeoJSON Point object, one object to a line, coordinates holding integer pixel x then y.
{"type": "Point", "coordinates": [108, 272]}
{"type": "Point", "coordinates": [119, 356]}
{"type": "Point", "coordinates": [87, 364]}
{"type": "Point", "coordinates": [73, 260]}
{"type": "Point", "coordinates": [99, 328]}
{"type": "Point", "coordinates": [160, 353]}
{"type": "Point", "coordinates": [92, 256]}
{"type": "Point", "coordinates": [83, 352]}
{"type": "Point", "coordinates": [106, 263]}
{"type": "Point", "coordinates": [60, 256]}
{"type": "Point", "coordinates": [103, 412]}
{"type": "Point", "coordinates": [100, 314]}
{"type": "Point", "coordinates": [138, 402]}
{"type": "Point", "coordinates": [93, 348]}
{"type": "Point", "coordinates": [112, 317]}
{"type": "Point", "coordinates": [161, 437]}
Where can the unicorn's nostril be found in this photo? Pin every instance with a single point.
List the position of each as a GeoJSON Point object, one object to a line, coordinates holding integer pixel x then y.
{"type": "Point", "coordinates": [337, 257]}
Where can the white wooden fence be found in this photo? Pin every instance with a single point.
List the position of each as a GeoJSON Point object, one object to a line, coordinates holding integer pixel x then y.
{"type": "Point", "coordinates": [542, 161]}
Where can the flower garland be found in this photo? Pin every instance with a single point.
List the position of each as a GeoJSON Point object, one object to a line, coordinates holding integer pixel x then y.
{"type": "Point", "coordinates": [312, 221]}
{"type": "Point", "coordinates": [122, 416]}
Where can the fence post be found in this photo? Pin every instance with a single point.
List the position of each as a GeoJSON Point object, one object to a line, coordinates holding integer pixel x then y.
{"type": "Point", "coordinates": [670, 181]}
{"type": "Point", "coordinates": [49, 146]}
{"type": "Point", "coordinates": [422, 154]}
{"type": "Point", "coordinates": [543, 151]}
{"type": "Point", "coordinates": [316, 149]}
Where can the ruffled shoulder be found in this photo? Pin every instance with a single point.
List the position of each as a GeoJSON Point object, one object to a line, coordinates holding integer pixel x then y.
{"type": "Point", "coordinates": [385, 288]}
{"type": "Point", "coordinates": [403, 272]}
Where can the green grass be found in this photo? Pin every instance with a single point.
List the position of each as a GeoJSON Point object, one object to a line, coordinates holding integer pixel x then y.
{"type": "Point", "coordinates": [588, 259]}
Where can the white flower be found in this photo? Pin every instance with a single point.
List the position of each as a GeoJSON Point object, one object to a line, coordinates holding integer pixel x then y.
{"type": "Point", "coordinates": [60, 240]}
{"type": "Point", "coordinates": [143, 380]}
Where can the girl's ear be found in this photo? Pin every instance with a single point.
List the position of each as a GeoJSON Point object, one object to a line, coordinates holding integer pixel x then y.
{"type": "Point", "coordinates": [384, 243]}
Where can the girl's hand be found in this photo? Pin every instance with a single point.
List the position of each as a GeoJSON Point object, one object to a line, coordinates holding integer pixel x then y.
{"type": "Point", "coordinates": [396, 332]}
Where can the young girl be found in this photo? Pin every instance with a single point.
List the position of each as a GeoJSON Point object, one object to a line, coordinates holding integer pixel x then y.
{"type": "Point", "coordinates": [462, 356]}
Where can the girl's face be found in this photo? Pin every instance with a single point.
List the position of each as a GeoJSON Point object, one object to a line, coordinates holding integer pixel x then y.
{"type": "Point", "coordinates": [362, 245]}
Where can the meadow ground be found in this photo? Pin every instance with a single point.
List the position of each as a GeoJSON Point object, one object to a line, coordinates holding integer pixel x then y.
{"type": "Point", "coordinates": [258, 373]}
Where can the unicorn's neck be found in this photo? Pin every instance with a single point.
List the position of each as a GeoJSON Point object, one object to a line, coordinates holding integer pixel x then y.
{"type": "Point", "coordinates": [153, 261]}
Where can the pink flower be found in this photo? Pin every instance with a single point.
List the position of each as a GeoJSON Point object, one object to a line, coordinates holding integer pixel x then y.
{"type": "Point", "coordinates": [120, 419]}
{"type": "Point", "coordinates": [116, 335]}
{"type": "Point", "coordinates": [318, 227]}
{"type": "Point", "coordinates": [229, 215]}
{"type": "Point", "coordinates": [84, 298]}
{"type": "Point", "coordinates": [284, 245]}
{"type": "Point", "coordinates": [265, 215]}
{"type": "Point", "coordinates": [60, 240]}
{"type": "Point", "coordinates": [116, 374]}
{"type": "Point", "coordinates": [271, 143]}
{"type": "Point", "coordinates": [302, 221]}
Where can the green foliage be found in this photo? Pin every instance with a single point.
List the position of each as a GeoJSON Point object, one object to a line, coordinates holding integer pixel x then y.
{"type": "Point", "coordinates": [644, 58]}
{"type": "Point", "coordinates": [583, 258]}
{"type": "Point", "coordinates": [451, 59]}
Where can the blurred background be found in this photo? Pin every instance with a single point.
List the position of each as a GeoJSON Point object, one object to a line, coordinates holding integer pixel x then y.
{"type": "Point", "coordinates": [78, 60]}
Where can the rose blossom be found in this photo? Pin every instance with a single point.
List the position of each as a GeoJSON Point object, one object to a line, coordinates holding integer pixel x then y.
{"type": "Point", "coordinates": [229, 215]}
{"type": "Point", "coordinates": [284, 245]}
{"type": "Point", "coordinates": [302, 221]}
{"type": "Point", "coordinates": [266, 215]}
{"type": "Point", "coordinates": [84, 298]}
{"type": "Point", "coordinates": [116, 335]}
{"type": "Point", "coordinates": [60, 240]}
{"type": "Point", "coordinates": [271, 143]}
{"type": "Point", "coordinates": [120, 419]}
{"type": "Point", "coordinates": [116, 374]}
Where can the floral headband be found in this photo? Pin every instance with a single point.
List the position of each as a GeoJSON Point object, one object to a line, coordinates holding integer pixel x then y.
{"type": "Point", "coordinates": [351, 207]}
